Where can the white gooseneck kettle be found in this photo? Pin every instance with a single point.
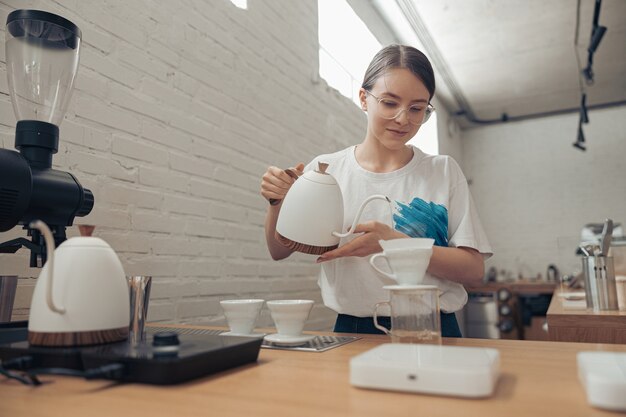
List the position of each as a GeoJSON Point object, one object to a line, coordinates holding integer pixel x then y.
{"type": "Point", "coordinates": [81, 296]}
{"type": "Point", "coordinates": [311, 216]}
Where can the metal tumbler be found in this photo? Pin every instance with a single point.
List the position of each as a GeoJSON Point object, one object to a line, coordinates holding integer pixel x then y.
{"type": "Point", "coordinates": [139, 288]}
{"type": "Point", "coordinates": [600, 288]}
{"type": "Point", "coordinates": [8, 287]}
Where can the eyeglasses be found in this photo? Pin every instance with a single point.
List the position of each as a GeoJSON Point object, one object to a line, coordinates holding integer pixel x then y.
{"type": "Point", "coordinates": [389, 109]}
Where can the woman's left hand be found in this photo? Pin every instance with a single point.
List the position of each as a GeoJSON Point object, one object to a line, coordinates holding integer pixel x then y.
{"type": "Point", "coordinates": [366, 244]}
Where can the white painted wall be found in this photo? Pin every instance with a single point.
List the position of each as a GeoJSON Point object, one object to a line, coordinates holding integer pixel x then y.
{"type": "Point", "coordinates": [535, 192]}
{"type": "Point", "coordinates": [449, 134]}
{"type": "Point", "coordinates": [179, 108]}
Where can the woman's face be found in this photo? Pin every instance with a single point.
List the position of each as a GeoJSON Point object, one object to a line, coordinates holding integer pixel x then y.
{"type": "Point", "coordinates": [400, 88]}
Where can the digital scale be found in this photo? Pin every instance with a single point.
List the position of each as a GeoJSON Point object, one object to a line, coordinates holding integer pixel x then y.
{"type": "Point", "coordinates": [429, 369]}
{"type": "Point", "coordinates": [163, 358]}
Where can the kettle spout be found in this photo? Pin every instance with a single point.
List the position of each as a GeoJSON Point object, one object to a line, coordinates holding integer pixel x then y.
{"type": "Point", "coordinates": [360, 211]}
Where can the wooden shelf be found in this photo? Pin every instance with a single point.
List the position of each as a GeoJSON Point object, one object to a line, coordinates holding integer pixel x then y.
{"type": "Point", "coordinates": [517, 287]}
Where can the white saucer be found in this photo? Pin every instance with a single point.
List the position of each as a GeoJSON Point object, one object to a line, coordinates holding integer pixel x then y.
{"type": "Point", "coordinates": [242, 334]}
{"type": "Point", "coordinates": [279, 339]}
{"type": "Point", "coordinates": [410, 287]}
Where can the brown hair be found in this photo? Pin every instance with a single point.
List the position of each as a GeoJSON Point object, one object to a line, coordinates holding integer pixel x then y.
{"type": "Point", "coordinates": [400, 56]}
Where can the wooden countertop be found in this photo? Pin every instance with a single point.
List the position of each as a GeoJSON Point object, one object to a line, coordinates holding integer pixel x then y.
{"type": "Point", "coordinates": [584, 325]}
{"type": "Point", "coordinates": [537, 378]}
{"type": "Point", "coordinates": [518, 287]}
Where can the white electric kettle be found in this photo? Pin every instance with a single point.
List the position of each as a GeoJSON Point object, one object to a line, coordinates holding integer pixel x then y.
{"type": "Point", "coordinates": [311, 216]}
{"type": "Point", "coordinates": [81, 296]}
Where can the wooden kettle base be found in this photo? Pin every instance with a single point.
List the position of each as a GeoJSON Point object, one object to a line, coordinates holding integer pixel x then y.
{"type": "Point", "coordinates": [95, 337]}
{"type": "Point", "coordinates": [301, 247]}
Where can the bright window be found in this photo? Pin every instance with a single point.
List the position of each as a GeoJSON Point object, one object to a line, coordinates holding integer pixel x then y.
{"type": "Point", "coordinates": [242, 4]}
{"type": "Point", "coordinates": [346, 47]}
{"type": "Point", "coordinates": [426, 138]}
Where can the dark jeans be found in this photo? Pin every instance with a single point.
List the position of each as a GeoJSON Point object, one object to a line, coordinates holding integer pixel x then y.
{"type": "Point", "coordinates": [352, 324]}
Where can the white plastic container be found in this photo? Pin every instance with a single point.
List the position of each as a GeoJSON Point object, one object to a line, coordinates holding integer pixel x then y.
{"type": "Point", "coordinates": [429, 369]}
{"type": "Point", "coordinates": [603, 375]}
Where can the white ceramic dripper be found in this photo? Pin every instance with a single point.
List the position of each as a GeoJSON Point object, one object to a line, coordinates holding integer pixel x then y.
{"type": "Point", "coordinates": [408, 259]}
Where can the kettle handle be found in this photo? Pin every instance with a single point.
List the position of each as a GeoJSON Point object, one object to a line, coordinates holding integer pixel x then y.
{"type": "Point", "coordinates": [358, 214]}
{"type": "Point", "coordinates": [293, 174]}
{"type": "Point", "coordinates": [47, 234]}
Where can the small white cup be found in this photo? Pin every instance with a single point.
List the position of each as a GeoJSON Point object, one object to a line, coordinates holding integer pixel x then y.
{"type": "Point", "coordinates": [290, 315]}
{"type": "Point", "coordinates": [241, 315]}
{"type": "Point", "coordinates": [408, 259]}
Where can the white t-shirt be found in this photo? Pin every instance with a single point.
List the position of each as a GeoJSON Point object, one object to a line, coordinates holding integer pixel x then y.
{"type": "Point", "coordinates": [430, 198]}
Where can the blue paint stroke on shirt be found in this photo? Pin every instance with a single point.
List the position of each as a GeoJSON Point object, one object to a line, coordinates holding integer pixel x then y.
{"type": "Point", "coordinates": [422, 219]}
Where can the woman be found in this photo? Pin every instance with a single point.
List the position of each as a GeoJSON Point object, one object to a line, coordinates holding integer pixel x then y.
{"type": "Point", "coordinates": [431, 198]}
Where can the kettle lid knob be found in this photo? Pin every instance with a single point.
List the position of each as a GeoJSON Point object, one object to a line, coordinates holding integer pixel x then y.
{"type": "Point", "coordinates": [321, 168]}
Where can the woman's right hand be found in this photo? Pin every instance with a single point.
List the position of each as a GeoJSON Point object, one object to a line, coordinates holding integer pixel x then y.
{"type": "Point", "coordinates": [276, 182]}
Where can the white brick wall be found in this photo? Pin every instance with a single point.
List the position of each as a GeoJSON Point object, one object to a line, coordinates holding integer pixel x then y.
{"type": "Point", "coordinates": [178, 109]}
{"type": "Point", "coordinates": [535, 192]}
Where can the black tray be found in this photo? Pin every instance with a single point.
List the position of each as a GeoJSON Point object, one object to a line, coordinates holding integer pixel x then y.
{"type": "Point", "coordinates": [196, 356]}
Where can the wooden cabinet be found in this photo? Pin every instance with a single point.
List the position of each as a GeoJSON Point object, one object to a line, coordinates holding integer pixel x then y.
{"type": "Point", "coordinates": [585, 325]}
{"type": "Point", "coordinates": [537, 329]}
{"type": "Point", "coordinates": [511, 299]}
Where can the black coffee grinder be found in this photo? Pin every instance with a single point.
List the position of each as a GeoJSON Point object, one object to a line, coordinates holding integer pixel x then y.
{"type": "Point", "coordinates": [42, 53]}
